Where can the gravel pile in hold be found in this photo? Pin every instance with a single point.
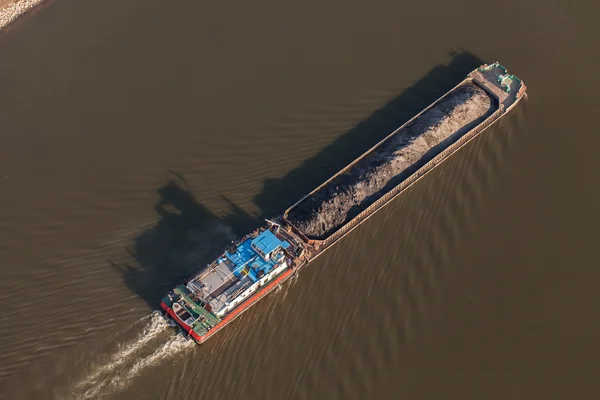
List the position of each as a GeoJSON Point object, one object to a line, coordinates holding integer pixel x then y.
{"type": "Point", "coordinates": [9, 13]}
{"type": "Point", "coordinates": [350, 193]}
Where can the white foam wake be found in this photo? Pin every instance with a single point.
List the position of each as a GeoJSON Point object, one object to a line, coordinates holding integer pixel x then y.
{"type": "Point", "coordinates": [122, 380]}
{"type": "Point", "coordinates": [169, 349]}
{"type": "Point", "coordinates": [95, 384]}
{"type": "Point", "coordinates": [156, 325]}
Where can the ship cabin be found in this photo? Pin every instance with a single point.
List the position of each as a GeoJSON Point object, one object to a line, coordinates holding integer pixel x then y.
{"type": "Point", "coordinates": [239, 272]}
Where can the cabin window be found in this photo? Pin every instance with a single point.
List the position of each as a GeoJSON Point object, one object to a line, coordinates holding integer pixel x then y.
{"type": "Point", "coordinates": [260, 253]}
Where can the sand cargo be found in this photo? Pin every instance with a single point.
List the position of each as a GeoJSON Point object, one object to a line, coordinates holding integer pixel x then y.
{"type": "Point", "coordinates": [259, 262]}
{"type": "Point", "coordinates": [372, 180]}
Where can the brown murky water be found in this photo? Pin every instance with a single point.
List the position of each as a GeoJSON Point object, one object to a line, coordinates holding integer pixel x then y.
{"type": "Point", "coordinates": [137, 138]}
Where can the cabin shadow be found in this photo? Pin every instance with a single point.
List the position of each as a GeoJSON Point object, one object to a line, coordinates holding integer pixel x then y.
{"type": "Point", "coordinates": [278, 194]}
{"type": "Point", "coordinates": [187, 235]}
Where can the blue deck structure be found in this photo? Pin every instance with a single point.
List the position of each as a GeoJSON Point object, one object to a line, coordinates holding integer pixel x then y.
{"type": "Point", "coordinates": [266, 242]}
{"type": "Point", "coordinates": [255, 255]}
{"type": "Point", "coordinates": [239, 269]}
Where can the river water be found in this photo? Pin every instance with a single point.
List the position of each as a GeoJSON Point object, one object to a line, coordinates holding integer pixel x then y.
{"type": "Point", "coordinates": [138, 138]}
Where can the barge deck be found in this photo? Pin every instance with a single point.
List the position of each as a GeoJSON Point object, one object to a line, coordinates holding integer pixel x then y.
{"type": "Point", "coordinates": [504, 89]}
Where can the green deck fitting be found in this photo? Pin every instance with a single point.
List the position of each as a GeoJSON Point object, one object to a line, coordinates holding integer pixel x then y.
{"type": "Point", "coordinates": [200, 327]}
{"type": "Point", "coordinates": [505, 81]}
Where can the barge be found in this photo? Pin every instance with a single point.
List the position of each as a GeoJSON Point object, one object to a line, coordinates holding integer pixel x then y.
{"type": "Point", "coordinates": [259, 262]}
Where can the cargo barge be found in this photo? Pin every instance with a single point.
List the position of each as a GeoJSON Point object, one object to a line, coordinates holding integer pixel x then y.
{"type": "Point", "coordinates": [259, 262]}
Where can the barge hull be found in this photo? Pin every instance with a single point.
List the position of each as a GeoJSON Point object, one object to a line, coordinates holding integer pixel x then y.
{"type": "Point", "coordinates": [487, 78]}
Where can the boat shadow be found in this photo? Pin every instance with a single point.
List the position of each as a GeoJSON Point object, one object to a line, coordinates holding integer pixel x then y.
{"type": "Point", "coordinates": [187, 235]}
{"type": "Point", "coordinates": [279, 194]}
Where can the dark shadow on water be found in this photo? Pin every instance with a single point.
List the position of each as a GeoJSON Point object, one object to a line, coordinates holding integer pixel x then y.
{"type": "Point", "coordinates": [278, 194]}
{"type": "Point", "coordinates": [187, 235]}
